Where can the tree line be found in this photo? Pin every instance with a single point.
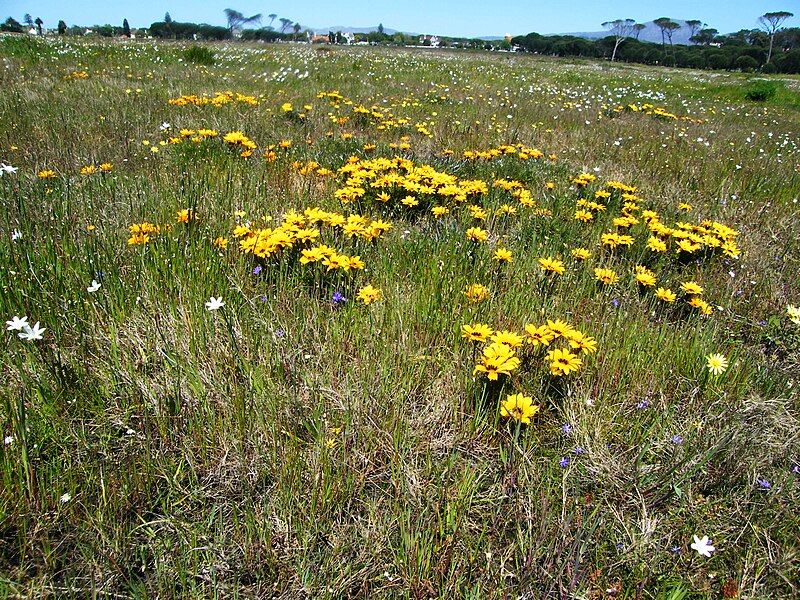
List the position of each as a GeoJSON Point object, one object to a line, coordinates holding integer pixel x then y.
{"type": "Point", "coordinates": [770, 49]}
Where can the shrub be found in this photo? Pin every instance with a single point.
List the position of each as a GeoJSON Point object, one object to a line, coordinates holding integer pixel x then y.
{"type": "Point", "coordinates": [760, 90]}
{"type": "Point", "coordinates": [199, 55]}
{"type": "Point", "coordinates": [718, 60]}
{"type": "Point", "coordinates": [746, 63]}
{"type": "Point", "coordinates": [768, 68]}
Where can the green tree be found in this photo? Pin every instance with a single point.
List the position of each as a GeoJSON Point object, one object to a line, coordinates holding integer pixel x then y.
{"type": "Point", "coordinates": [272, 18]}
{"type": "Point", "coordinates": [285, 23]}
{"type": "Point", "coordinates": [39, 24]}
{"type": "Point", "coordinates": [167, 18]}
{"type": "Point", "coordinates": [237, 20]}
{"type": "Point", "coordinates": [638, 28]}
{"type": "Point", "coordinates": [694, 26]}
{"type": "Point", "coordinates": [621, 29]}
{"type": "Point", "coordinates": [380, 28]}
{"type": "Point", "coordinates": [62, 28]}
{"type": "Point", "coordinates": [126, 29]}
{"type": "Point", "coordinates": [771, 21]}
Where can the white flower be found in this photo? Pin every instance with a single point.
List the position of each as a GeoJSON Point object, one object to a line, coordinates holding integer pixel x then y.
{"type": "Point", "coordinates": [7, 168]}
{"type": "Point", "coordinates": [165, 126]}
{"type": "Point", "coordinates": [31, 334]}
{"type": "Point", "coordinates": [16, 235]}
{"type": "Point", "coordinates": [94, 287]}
{"type": "Point", "coordinates": [702, 546]}
{"type": "Point", "coordinates": [17, 324]}
{"type": "Point", "coordinates": [8, 440]}
{"type": "Point", "coordinates": [66, 498]}
{"type": "Point", "coordinates": [215, 303]}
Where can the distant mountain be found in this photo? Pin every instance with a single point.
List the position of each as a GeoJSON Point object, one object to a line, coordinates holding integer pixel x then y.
{"type": "Point", "coordinates": [651, 33]}
{"type": "Point", "coordinates": [343, 29]}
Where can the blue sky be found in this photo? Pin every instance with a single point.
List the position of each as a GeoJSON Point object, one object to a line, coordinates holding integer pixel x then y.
{"type": "Point", "coordinates": [446, 17]}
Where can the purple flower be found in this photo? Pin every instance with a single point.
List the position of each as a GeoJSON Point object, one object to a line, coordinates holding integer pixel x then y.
{"type": "Point", "coordinates": [795, 469]}
{"type": "Point", "coordinates": [676, 550]}
{"type": "Point", "coordinates": [643, 404]}
{"type": "Point", "coordinates": [338, 298]}
{"type": "Point", "coordinates": [676, 439]}
{"type": "Point", "coordinates": [763, 483]}
{"type": "Point", "coordinates": [578, 450]}
{"type": "Point", "coordinates": [566, 428]}
{"type": "Point", "coordinates": [256, 269]}
{"type": "Point", "coordinates": [262, 298]}
{"type": "Point", "coordinates": [615, 303]}
{"type": "Point", "coordinates": [280, 333]}
{"type": "Point", "coordinates": [563, 462]}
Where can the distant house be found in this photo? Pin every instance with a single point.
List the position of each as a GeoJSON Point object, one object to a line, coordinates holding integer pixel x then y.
{"type": "Point", "coordinates": [32, 31]}
{"type": "Point", "coordinates": [429, 40]}
{"type": "Point", "coordinates": [349, 37]}
{"type": "Point", "coordinates": [319, 39]}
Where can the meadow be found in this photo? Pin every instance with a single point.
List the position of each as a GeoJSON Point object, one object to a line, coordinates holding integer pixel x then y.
{"type": "Point", "coordinates": [293, 321]}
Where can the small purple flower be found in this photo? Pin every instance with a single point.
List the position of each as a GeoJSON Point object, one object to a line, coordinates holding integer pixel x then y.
{"type": "Point", "coordinates": [563, 462]}
{"type": "Point", "coordinates": [762, 322]}
{"type": "Point", "coordinates": [256, 269]}
{"type": "Point", "coordinates": [795, 470]}
{"type": "Point", "coordinates": [763, 483]}
{"type": "Point", "coordinates": [280, 333]}
{"type": "Point", "coordinates": [338, 298]}
{"type": "Point", "coordinates": [676, 439]}
{"type": "Point", "coordinates": [643, 404]}
{"type": "Point", "coordinates": [615, 303]}
{"type": "Point", "coordinates": [578, 450]}
{"type": "Point", "coordinates": [676, 550]}
{"type": "Point", "coordinates": [566, 428]}
{"type": "Point", "coordinates": [99, 275]}
{"type": "Point", "coordinates": [262, 298]}
{"type": "Point", "coordinates": [619, 546]}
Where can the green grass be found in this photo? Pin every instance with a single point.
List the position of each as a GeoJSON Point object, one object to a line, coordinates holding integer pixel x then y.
{"type": "Point", "coordinates": [286, 446]}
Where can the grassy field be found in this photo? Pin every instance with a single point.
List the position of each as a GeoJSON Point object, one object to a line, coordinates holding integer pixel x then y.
{"type": "Point", "coordinates": [329, 322]}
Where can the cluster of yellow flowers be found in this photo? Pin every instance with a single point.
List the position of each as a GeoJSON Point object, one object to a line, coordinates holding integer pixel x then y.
{"type": "Point", "coordinates": [105, 167]}
{"type": "Point", "coordinates": [141, 232]}
{"type": "Point", "coordinates": [304, 232]}
{"type": "Point", "coordinates": [500, 356]}
{"type": "Point", "coordinates": [76, 75]}
{"type": "Point", "coordinates": [240, 140]}
{"type": "Point", "coordinates": [194, 135]}
{"type": "Point", "coordinates": [399, 180]}
{"type": "Point", "coordinates": [519, 151]}
{"type": "Point", "coordinates": [655, 111]}
{"type": "Point", "coordinates": [217, 100]}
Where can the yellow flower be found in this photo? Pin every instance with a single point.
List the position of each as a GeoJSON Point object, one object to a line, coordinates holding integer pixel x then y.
{"type": "Point", "coordinates": [794, 314]}
{"type": "Point", "coordinates": [497, 359]}
{"type": "Point", "coordinates": [221, 243]}
{"type": "Point", "coordinates": [583, 215]}
{"type": "Point", "coordinates": [580, 253]}
{"type": "Point", "coordinates": [184, 216]}
{"type": "Point", "coordinates": [691, 288]}
{"type": "Point", "coordinates": [369, 294]}
{"type": "Point", "coordinates": [563, 362]}
{"type": "Point", "coordinates": [88, 170]}
{"type": "Point", "coordinates": [701, 305]}
{"type": "Point", "coordinates": [539, 336]}
{"type": "Point", "coordinates": [509, 338]}
{"type": "Point", "coordinates": [645, 276]}
{"type": "Point", "coordinates": [502, 255]}
{"type": "Point", "coordinates": [665, 294]}
{"type": "Point", "coordinates": [476, 292]}
{"type": "Point", "coordinates": [47, 174]}
{"type": "Point", "coordinates": [477, 235]}
{"type": "Point", "coordinates": [478, 332]}
{"type": "Point", "coordinates": [519, 407]}
{"type": "Point", "coordinates": [551, 265]}
{"type": "Point", "coordinates": [560, 329]}
{"type": "Point", "coordinates": [438, 211]}
{"type": "Point", "coordinates": [716, 363]}
{"type": "Point", "coordinates": [586, 344]}
{"type": "Point", "coordinates": [106, 167]}
{"type": "Point", "coordinates": [606, 276]}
